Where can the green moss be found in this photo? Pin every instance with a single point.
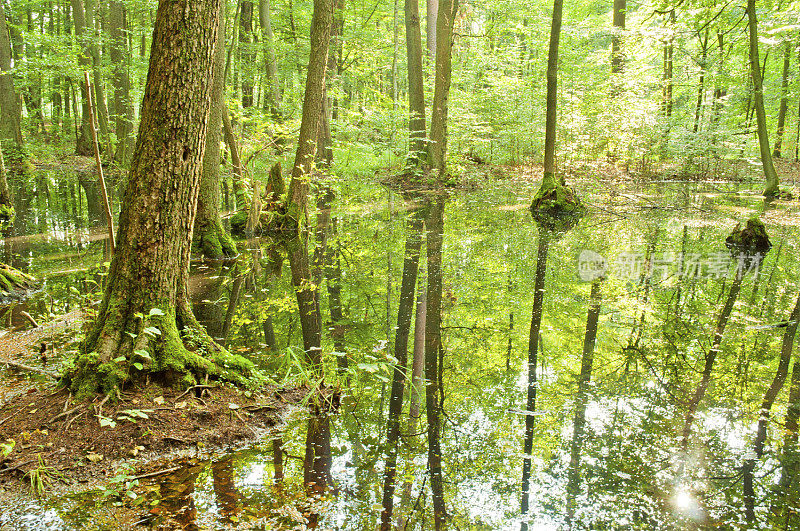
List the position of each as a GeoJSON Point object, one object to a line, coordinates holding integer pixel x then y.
{"type": "Point", "coordinates": [556, 206]}
{"type": "Point", "coordinates": [239, 221]}
{"type": "Point", "coordinates": [7, 215]}
{"type": "Point", "coordinates": [214, 242]}
{"type": "Point", "coordinates": [750, 240]}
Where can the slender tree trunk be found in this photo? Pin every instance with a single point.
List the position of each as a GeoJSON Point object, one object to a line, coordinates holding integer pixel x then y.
{"type": "Point", "coordinates": [246, 52]}
{"type": "Point", "coordinates": [437, 149]}
{"type": "Point", "coordinates": [240, 188]}
{"type": "Point", "coordinates": [434, 395]}
{"type": "Point", "coordinates": [790, 458]}
{"type": "Point", "coordinates": [83, 143]}
{"type": "Point", "coordinates": [97, 79]}
{"type": "Point", "coordinates": [758, 97]}
{"type": "Point", "coordinates": [120, 61]}
{"type": "Point", "coordinates": [669, 50]}
{"type": "Point", "coordinates": [552, 92]}
{"type": "Point", "coordinates": [333, 276]}
{"type": "Point", "coordinates": [701, 86]}
{"type": "Point", "coordinates": [272, 99]}
{"type": "Point", "coordinates": [784, 101]}
{"type": "Point", "coordinates": [209, 234]}
{"type": "Point", "coordinates": [148, 277]}
{"type": "Point", "coordinates": [617, 40]}
{"type": "Point", "coordinates": [416, 95]}
{"type": "Point", "coordinates": [404, 312]}
{"type": "Point", "coordinates": [297, 199]}
{"type": "Point", "coordinates": [431, 15]}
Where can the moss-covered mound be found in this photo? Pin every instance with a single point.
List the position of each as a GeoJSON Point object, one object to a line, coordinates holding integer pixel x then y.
{"type": "Point", "coordinates": [556, 206]}
{"type": "Point", "coordinates": [750, 240]}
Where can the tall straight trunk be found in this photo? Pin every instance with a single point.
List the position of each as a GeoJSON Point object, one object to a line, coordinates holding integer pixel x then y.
{"type": "Point", "coordinates": [297, 200]}
{"type": "Point", "coordinates": [246, 52]}
{"type": "Point", "coordinates": [240, 189]}
{"type": "Point", "coordinates": [150, 267]}
{"type": "Point", "coordinates": [416, 95]}
{"type": "Point", "coordinates": [434, 394]}
{"type": "Point", "coordinates": [758, 97]}
{"type": "Point", "coordinates": [701, 86]}
{"type": "Point", "coordinates": [404, 312]}
{"type": "Point", "coordinates": [324, 155]}
{"type": "Point", "coordinates": [10, 112]}
{"type": "Point", "coordinates": [431, 15]}
{"type": "Point", "coordinates": [533, 352]}
{"type": "Point", "coordinates": [790, 458]}
{"type": "Point", "coordinates": [766, 405]}
{"type": "Point", "coordinates": [617, 40]}
{"type": "Point", "coordinates": [83, 143]}
{"type": "Point", "coordinates": [99, 96]}
{"type": "Point", "coordinates": [784, 100]}
{"type": "Point", "coordinates": [209, 233]}
{"type": "Point", "coordinates": [120, 64]}
{"type": "Point", "coordinates": [272, 99]}
{"type": "Point", "coordinates": [581, 400]}
{"type": "Point", "coordinates": [32, 94]}
{"type": "Point", "coordinates": [669, 50]}
{"type": "Point", "coordinates": [437, 149]}
{"type": "Point", "coordinates": [552, 91]}
{"type": "Point", "coordinates": [333, 277]}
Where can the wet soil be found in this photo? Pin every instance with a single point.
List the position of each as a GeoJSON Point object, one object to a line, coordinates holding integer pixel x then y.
{"type": "Point", "coordinates": [52, 432]}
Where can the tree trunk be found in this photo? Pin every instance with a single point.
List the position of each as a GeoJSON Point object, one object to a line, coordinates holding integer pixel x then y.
{"type": "Point", "coordinates": [669, 49]}
{"type": "Point", "coordinates": [701, 86]}
{"type": "Point", "coordinates": [272, 100]}
{"type": "Point", "coordinates": [10, 112]}
{"type": "Point", "coordinates": [209, 234]}
{"type": "Point", "coordinates": [83, 143]}
{"type": "Point", "coordinates": [404, 312]}
{"type": "Point", "coordinates": [148, 278]}
{"type": "Point", "coordinates": [552, 92]}
{"type": "Point", "coordinates": [784, 101]}
{"type": "Point", "coordinates": [618, 21]}
{"type": "Point", "coordinates": [758, 97]}
{"type": "Point", "coordinates": [120, 61]}
{"type": "Point", "coordinates": [434, 395]}
{"type": "Point", "coordinates": [99, 96]}
{"type": "Point", "coordinates": [246, 51]}
{"type": "Point", "coordinates": [297, 200]}
{"type": "Point", "coordinates": [431, 15]}
{"type": "Point", "coordinates": [240, 189]}
{"type": "Point", "coordinates": [416, 95]}
{"type": "Point", "coordinates": [437, 149]}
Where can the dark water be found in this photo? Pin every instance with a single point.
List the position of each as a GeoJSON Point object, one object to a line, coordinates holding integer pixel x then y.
{"type": "Point", "coordinates": [607, 446]}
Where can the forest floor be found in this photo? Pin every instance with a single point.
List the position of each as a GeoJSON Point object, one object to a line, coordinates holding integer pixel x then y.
{"type": "Point", "coordinates": [70, 442]}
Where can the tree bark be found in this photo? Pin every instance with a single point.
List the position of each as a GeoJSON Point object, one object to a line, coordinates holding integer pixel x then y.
{"type": "Point", "coordinates": [272, 101]}
{"type": "Point", "coordinates": [246, 51]}
{"type": "Point", "coordinates": [758, 97]}
{"type": "Point", "coordinates": [148, 278]}
{"type": "Point", "coordinates": [416, 95]}
{"type": "Point", "coordinates": [618, 21]}
{"type": "Point", "coordinates": [552, 91]}
{"type": "Point", "coordinates": [209, 234]}
{"type": "Point", "coordinates": [120, 61]}
{"type": "Point", "coordinates": [437, 149]}
{"type": "Point", "coordinates": [431, 15]}
{"type": "Point", "coordinates": [10, 112]}
{"type": "Point", "coordinates": [784, 101]}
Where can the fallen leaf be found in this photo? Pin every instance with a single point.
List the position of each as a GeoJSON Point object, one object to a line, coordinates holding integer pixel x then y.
{"type": "Point", "coordinates": [159, 400]}
{"type": "Point", "coordinates": [94, 458]}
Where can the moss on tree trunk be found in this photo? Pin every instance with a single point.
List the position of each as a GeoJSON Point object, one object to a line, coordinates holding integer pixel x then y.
{"type": "Point", "coordinates": [145, 324]}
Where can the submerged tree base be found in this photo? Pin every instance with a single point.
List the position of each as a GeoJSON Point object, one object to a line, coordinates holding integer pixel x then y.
{"type": "Point", "coordinates": [556, 207]}
{"type": "Point", "coordinates": [167, 347]}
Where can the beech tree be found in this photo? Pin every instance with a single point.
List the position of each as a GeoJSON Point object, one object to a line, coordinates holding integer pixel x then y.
{"type": "Point", "coordinates": [10, 112]}
{"type": "Point", "coordinates": [145, 323]}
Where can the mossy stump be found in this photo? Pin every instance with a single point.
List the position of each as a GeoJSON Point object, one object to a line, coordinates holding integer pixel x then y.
{"type": "Point", "coordinates": [751, 240]}
{"type": "Point", "coordinates": [14, 284]}
{"type": "Point", "coordinates": [556, 207]}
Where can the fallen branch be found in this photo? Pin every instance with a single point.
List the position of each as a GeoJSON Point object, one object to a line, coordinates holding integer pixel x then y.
{"type": "Point", "coordinates": [28, 368]}
{"type": "Point", "coordinates": [156, 473]}
{"type": "Point", "coordinates": [17, 467]}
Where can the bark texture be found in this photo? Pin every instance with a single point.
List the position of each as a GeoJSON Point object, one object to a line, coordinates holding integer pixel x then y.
{"type": "Point", "coordinates": [145, 316]}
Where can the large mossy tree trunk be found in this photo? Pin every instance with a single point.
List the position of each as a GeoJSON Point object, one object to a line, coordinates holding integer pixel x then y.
{"type": "Point", "coordinates": [758, 99]}
{"type": "Point", "coordinates": [10, 111]}
{"type": "Point", "coordinates": [209, 234]}
{"type": "Point", "coordinates": [145, 323]}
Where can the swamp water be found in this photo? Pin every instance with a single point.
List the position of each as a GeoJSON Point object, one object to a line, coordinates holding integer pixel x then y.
{"type": "Point", "coordinates": [607, 449]}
